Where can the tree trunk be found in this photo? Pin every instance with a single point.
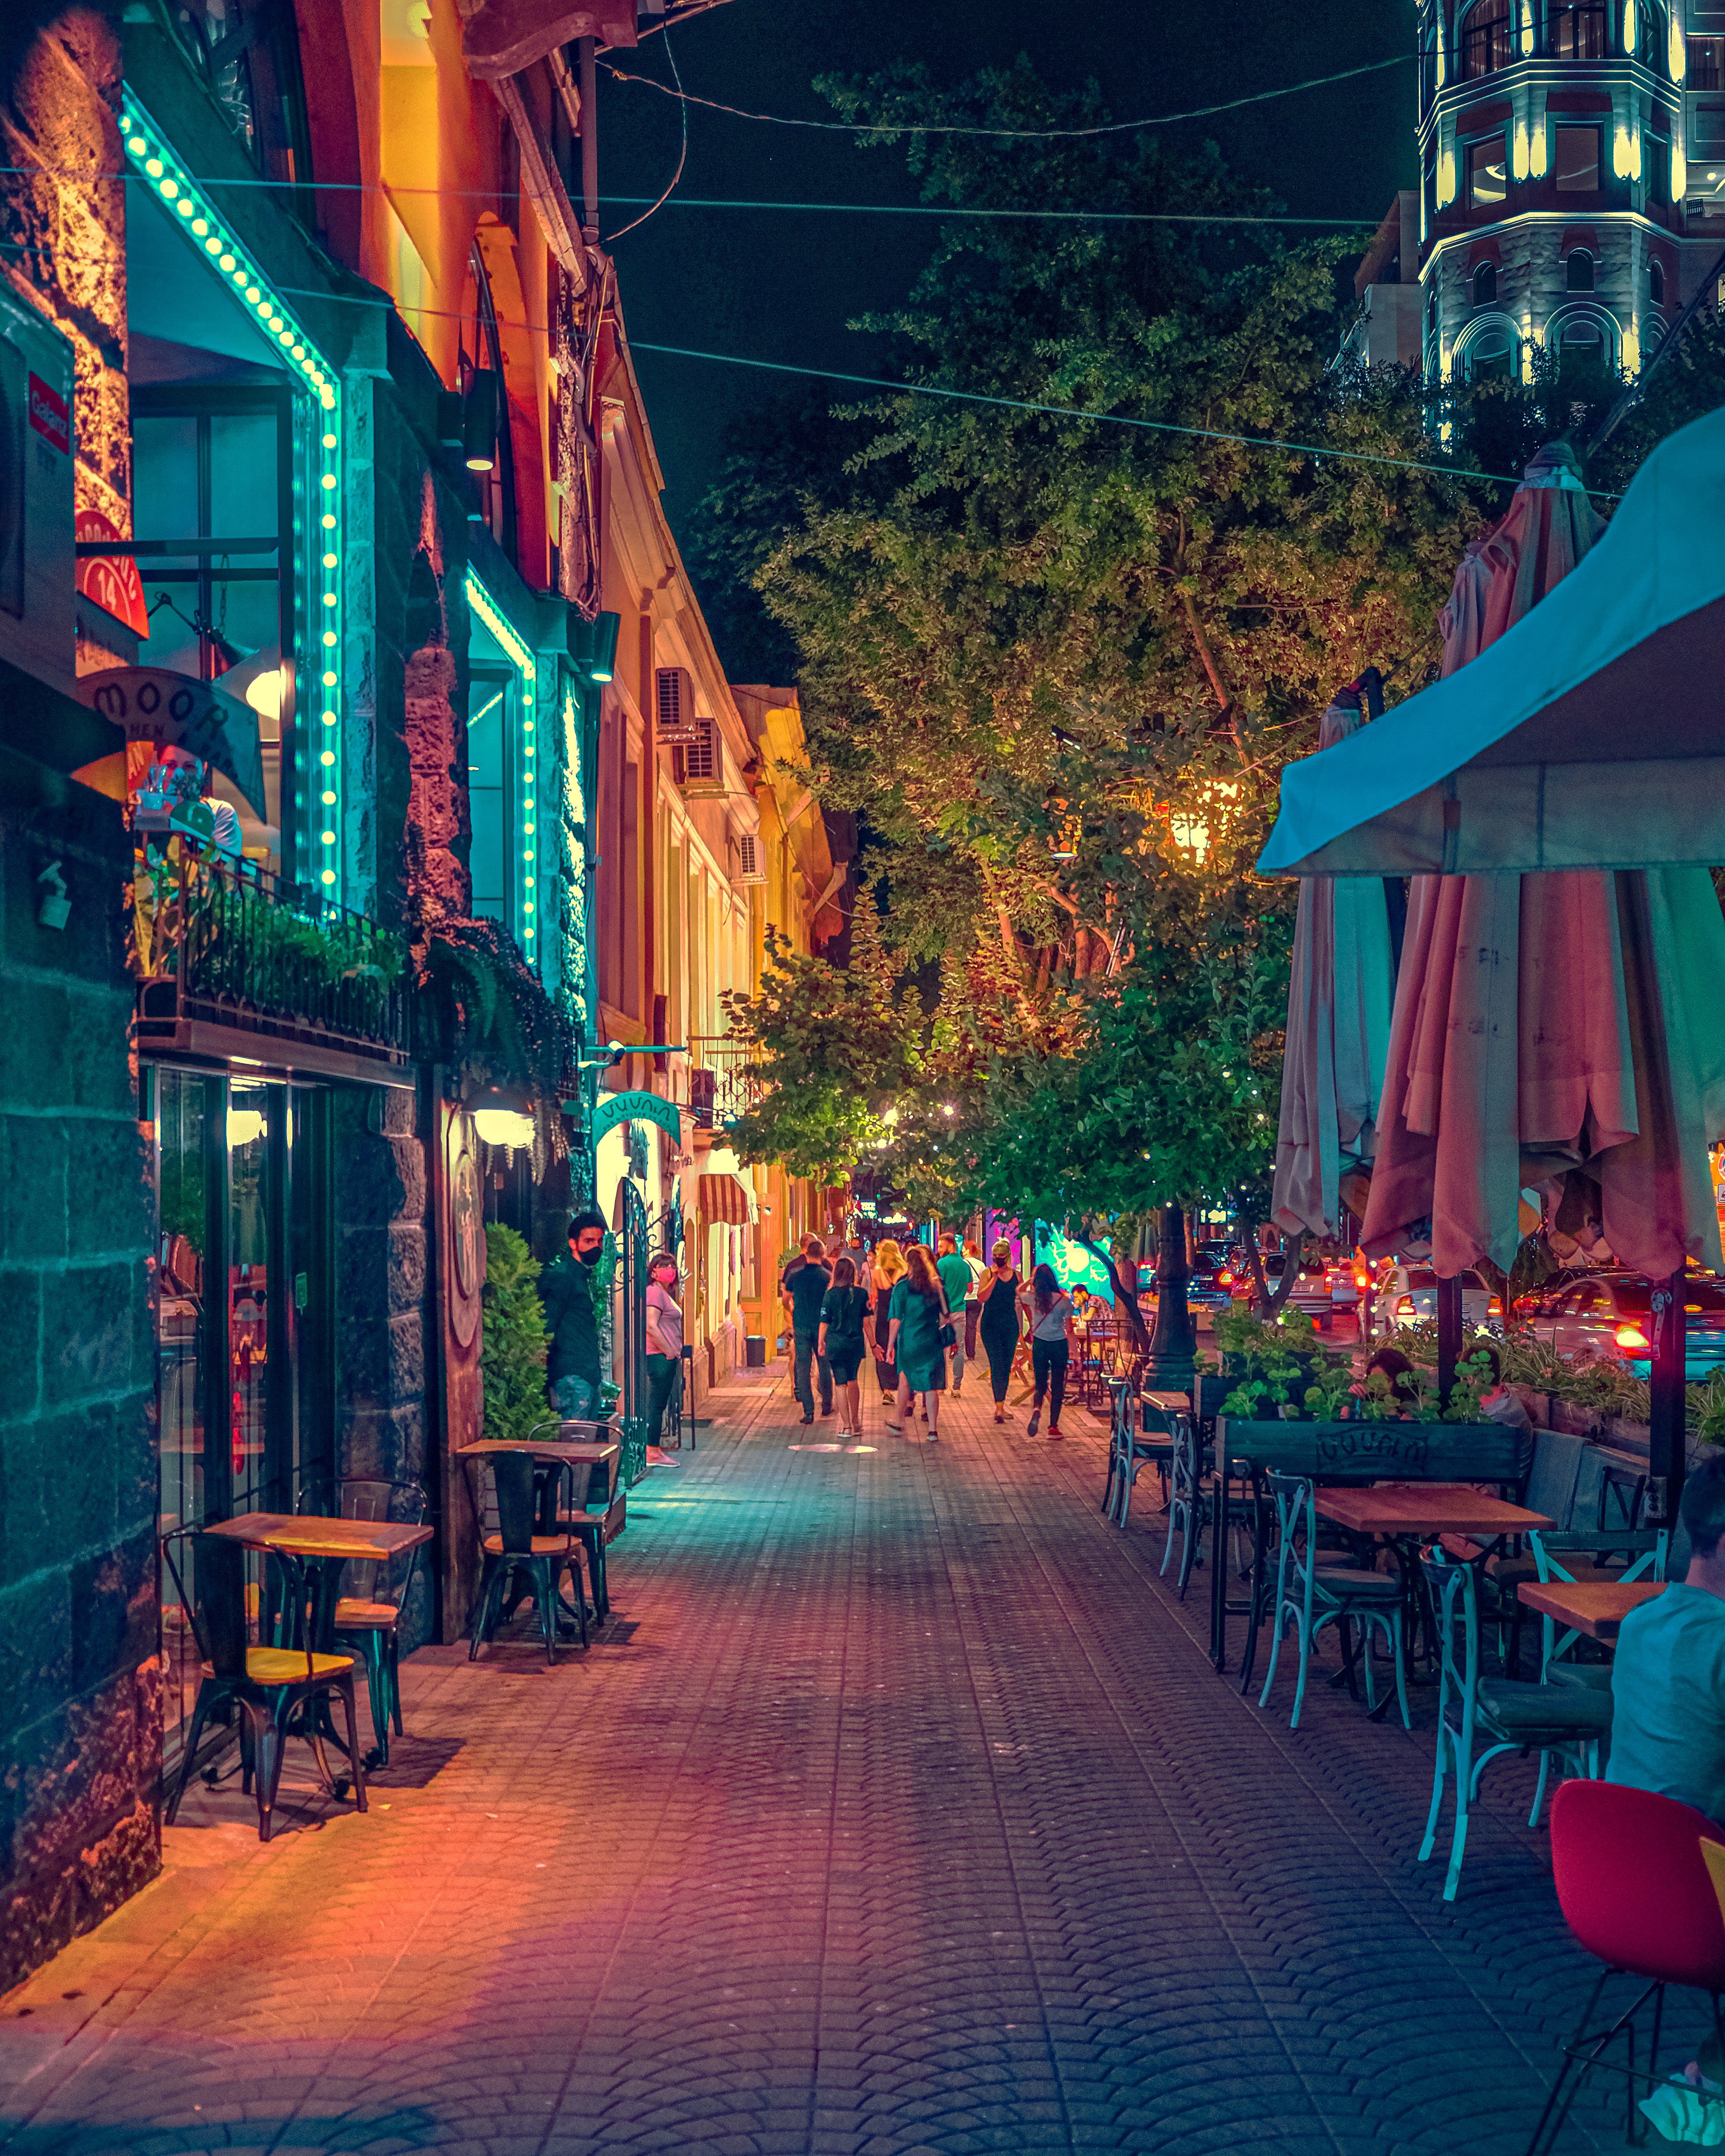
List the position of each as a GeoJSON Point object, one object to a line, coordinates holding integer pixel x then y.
{"type": "Point", "coordinates": [1174, 1342]}
{"type": "Point", "coordinates": [1268, 1302]}
{"type": "Point", "coordinates": [1126, 1298]}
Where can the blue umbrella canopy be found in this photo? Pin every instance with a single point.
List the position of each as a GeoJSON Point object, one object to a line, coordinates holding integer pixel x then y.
{"type": "Point", "coordinates": [1589, 735]}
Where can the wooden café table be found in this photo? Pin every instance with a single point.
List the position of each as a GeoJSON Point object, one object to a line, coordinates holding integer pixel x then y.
{"type": "Point", "coordinates": [1596, 1608]}
{"type": "Point", "coordinates": [600, 1457]}
{"type": "Point", "coordinates": [312, 1548]}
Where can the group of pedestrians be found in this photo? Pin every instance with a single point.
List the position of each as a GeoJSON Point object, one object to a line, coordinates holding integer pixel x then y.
{"type": "Point", "coordinates": [920, 1318]}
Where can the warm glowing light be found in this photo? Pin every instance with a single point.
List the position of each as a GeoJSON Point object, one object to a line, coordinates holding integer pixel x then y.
{"type": "Point", "coordinates": [1518, 151]}
{"type": "Point", "coordinates": [503, 1126]}
{"type": "Point", "coordinates": [245, 1126]}
{"type": "Point", "coordinates": [1445, 178]}
{"type": "Point", "coordinates": [1675, 51]}
{"type": "Point", "coordinates": [1631, 1335]}
{"type": "Point", "coordinates": [1537, 148]}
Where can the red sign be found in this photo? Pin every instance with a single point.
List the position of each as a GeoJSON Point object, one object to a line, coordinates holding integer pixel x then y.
{"type": "Point", "coordinates": [111, 581]}
{"type": "Point", "coordinates": [50, 415]}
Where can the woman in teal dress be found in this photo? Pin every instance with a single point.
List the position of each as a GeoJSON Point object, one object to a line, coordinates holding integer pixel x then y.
{"type": "Point", "coordinates": [920, 1313]}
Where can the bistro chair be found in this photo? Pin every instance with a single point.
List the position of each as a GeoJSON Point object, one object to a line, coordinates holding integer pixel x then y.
{"type": "Point", "coordinates": [1560, 1722]}
{"type": "Point", "coordinates": [1564, 1554]}
{"type": "Point", "coordinates": [516, 1546]}
{"type": "Point", "coordinates": [1638, 1879]}
{"type": "Point", "coordinates": [587, 1521]}
{"type": "Point", "coordinates": [265, 1685]}
{"type": "Point", "coordinates": [369, 1608]}
{"type": "Point", "coordinates": [1134, 1443]}
{"type": "Point", "coordinates": [1310, 1595]}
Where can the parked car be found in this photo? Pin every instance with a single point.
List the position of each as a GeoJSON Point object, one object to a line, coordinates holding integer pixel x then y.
{"type": "Point", "coordinates": [1612, 1314]}
{"type": "Point", "coordinates": [1207, 1288]}
{"type": "Point", "coordinates": [1406, 1295]}
{"type": "Point", "coordinates": [1310, 1291]}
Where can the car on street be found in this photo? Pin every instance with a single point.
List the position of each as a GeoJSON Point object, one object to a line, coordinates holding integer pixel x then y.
{"type": "Point", "coordinates": [1611, 1313]}
{"type": "Point", "coordinates": [1406, 1295]}
{"type": "Point", "coordinates": [1310, 1293]}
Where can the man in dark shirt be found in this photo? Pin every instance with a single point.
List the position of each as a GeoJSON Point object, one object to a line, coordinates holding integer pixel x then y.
{"type": "Point", "coordinates": [804, 1288]}
{"type": "Point", "coordinates": [566, 1289]}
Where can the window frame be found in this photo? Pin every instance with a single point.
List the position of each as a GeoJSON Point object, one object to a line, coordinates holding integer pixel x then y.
{"type": "Point", "coordinates": [1568, 127]}
{"type": "Point", "coordinates": [1497, 203]}
{"type": "Point", "coordinates": [1495, 33]}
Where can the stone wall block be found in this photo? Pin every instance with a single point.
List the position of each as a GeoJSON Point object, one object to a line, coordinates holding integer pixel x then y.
{"type": "Point", "coordinates": [361, 1275]}
{"type": "Point", "coordinates": [33, 1175]}
{"type": "Point", "coordinates": [106, 1198]}
{"type": "Point", "coordinates": [409, 1157]}
{"type": "Point", "coordinates": [90, 1330]}
{"type": "Point", "coordinates": [408, 1269]}
{"type": "Point", "coordinates": [21, 1340]}
{"type": "Point", "coordinates": [60, 1489]}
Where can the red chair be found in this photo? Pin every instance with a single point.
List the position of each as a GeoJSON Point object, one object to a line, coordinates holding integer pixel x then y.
{"type": "Point", "coordinates": [1635, 1890]}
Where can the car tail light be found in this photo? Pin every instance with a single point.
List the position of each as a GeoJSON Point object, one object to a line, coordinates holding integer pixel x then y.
{"type": "Point", "coordinates": [1631, 1335]}
{"type": "Point", "coordinates": [1404, 1308]}
{"type": "Point", "coordinates": [1225, 1280]}
{"type": "Point", "coordinates": [1360, 1279]}
{"type": "Point", "coordinates": [1495, 1309]}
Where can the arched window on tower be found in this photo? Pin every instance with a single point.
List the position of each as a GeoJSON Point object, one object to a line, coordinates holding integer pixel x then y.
{"type": "Point", "coordinates": [1485, 283]}
{"type": "Point", "coordinates": [1486, 38]}
{"type": "Point", "coordinates": [1579, 266]}
{"type": "Point", "coordinates": [1491, 356]}
{"type": "Point", "coordinates": [1656, 280]}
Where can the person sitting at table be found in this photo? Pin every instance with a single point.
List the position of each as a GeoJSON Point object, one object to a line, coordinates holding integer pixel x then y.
{"type": "Point", "coordinates": [1398, 1373]}
{"type": "Point", "coordinates": [1668, 1679]}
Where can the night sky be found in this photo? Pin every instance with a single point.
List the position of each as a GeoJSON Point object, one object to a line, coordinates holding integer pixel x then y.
{"type": "Point", "coordinates": [780, 285]}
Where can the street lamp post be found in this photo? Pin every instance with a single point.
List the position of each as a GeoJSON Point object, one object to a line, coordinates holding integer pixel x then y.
{"type": "Point", "coordinates": [1173, 1344]}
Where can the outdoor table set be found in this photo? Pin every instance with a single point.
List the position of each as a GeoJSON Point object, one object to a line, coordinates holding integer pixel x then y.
{"type": "Point", "coordinates": [554, 1502]}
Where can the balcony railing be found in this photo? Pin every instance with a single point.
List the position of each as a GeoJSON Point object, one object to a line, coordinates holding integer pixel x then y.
{"type": "Point", "coordinates": [721, 1086]}
{"type": "Point", "coordinates": [220, 947]}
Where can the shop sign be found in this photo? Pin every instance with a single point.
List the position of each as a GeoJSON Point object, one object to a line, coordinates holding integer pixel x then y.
{"type": "Point", "coordinates": [111, 581]}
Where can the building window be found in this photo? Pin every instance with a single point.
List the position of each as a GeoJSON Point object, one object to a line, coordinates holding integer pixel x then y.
{"type": "Point", "coordinates": [1656, 165]}
{"type": "Point", "coordinates": [1579, 267]}
{"type": "Point", "coordinates": [1583, 342]}
{"type": "Point", "coordinates": [1486, 187]}
{"type": "Point", "coordinates": [247, 54]}
{"type": "Point", "coordinates": [1486, 38]}
{"type": "Point", "coordinates": [1485, 283]}
{"type": "Point", "coordinates": [1578, 161]}
{"type": "Point", "coordinates": [1575, 30]}
{"type": "Point", "coordinates": [1702, 62]}
{"type": "Point", "coordinates": [1656, 280]}
{"type": "Point", "coordinates": [1491, 356]}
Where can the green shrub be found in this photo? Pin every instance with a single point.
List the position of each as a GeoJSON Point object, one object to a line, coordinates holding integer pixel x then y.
{"type": "Point", "coordinates": [512, 1355]}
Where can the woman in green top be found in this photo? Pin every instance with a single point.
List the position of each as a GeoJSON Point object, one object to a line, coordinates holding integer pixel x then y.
{"type": "Point", "coordinates": [841, 1345]}
{"type": "Point", "coordinates": [917, 1346]}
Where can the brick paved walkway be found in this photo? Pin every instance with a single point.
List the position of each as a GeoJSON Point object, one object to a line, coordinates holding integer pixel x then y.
{"type": "Point", "coordinates": [898, 1812]}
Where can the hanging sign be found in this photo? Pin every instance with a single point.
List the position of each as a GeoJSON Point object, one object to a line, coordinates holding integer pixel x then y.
{"type": "Point", "coordinates": [111, 581]}
{"type": "Point", "coordinates": [614, 1108]}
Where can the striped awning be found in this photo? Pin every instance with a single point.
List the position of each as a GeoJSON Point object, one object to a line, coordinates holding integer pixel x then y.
{"type": "Point", "coordinates": [727, 1198]}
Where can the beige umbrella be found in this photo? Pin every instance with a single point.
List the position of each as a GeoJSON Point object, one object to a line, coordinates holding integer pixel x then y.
{"type": "Point", "coordinates": [1340, 993]}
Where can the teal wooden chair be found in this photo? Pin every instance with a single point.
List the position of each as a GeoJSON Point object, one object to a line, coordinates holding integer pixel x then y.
{"type": "Point", "coordinates": [1562, 1722]}
{"type": "Point", "coordinates": [516, 1547]}
{"type": "Point", "coordinates": [1309, 1595]}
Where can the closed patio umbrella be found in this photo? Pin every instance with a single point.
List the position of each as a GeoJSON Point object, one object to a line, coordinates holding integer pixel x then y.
{"type": "Point", "coordinates": [1340, 991]}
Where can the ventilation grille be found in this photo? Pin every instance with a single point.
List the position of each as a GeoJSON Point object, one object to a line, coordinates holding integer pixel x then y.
{"type": "Point", "coordinates": [748, 858]}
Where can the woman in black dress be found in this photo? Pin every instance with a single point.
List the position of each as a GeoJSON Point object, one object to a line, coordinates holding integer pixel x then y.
{"type": "Point", "coordinates": [997, 1327]}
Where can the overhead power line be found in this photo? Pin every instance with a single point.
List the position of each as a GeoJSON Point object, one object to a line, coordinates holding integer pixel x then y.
{"type": "Point", "coordinates": [1014, 134]}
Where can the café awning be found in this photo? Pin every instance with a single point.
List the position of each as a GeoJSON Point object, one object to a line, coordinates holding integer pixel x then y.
{"type": "Point", "coordinates": [726, 1199]}
{"type": "Point", "coordinates": [1590, 735]}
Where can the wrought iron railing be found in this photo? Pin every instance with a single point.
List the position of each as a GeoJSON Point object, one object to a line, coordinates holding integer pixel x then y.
{"type": "Point", "coordinates": [722, 1087]}
{"type": "Point", "coordinates": [233, 945]}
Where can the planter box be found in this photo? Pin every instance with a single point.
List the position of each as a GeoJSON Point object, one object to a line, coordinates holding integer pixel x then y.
{"type": "Point", "coordinates": [1387, 1452]}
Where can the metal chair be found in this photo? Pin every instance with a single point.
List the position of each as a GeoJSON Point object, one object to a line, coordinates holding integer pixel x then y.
{"type": "Point", "coordinates": [1561, 1722]}
{"type": "Point", "coordinates": [516, 1546]}
{"type": "Point", "coordinates": [1638, 1879]}
{"type": "Point", "coordinates": [1325, 1595]}
{"type": "Point", "coordinates": [367, 1616]}
{"type": "Point", "coordinates": [266, 1684]}
{"type": "Point", "coordinates": [584, 1520]}
{"type": "Point", "coordinates": [1133, 1446]}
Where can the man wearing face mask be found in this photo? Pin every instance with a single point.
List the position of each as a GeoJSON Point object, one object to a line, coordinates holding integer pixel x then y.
{"type": "Point", "coordinates": [568, 1288]}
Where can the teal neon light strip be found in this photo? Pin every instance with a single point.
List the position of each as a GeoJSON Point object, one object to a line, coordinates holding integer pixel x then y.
{"type": "Point", "coordinates": [208, 232]}
{"type": "Point", "coordinates": [521, 659]}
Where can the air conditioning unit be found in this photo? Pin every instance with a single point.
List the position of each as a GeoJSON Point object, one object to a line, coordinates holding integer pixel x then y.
{"type": "Point", "coordinates": [748, 858]}
{"type": "Point", "coordinates": [38, 566]}
{"type": "Point", "coordinates": [699, 766]}
{"type": "Point", "coordinates": [673, 718]}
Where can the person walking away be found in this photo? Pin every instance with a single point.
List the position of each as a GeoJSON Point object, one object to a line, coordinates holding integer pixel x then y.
{"type": "Point", "coordinates": [956, 1285]}
{"type": "Point", "coordinates": [804, 1288]}
{"type": "Point", "coordinates": [567, 1288]}
{"type": "Point", "coordinates": [665, 1341]}
{"type": "Point", "coordinates": [1051, 1315]}
{"type": "Point", "coordinates": [998, 1324]}
{"type": "Point", "coordinates": [888, 1270]}
{"type": "Point", "coordinates": [920, 1318]}
{"type": "Point", "coordinates": [840, 1345]}
{"type": "Point", "coordinates": [972, 1301]}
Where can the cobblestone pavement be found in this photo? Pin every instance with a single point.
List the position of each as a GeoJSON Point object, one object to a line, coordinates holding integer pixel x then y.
{"type": "Point", "coordinates": [899, 1811]}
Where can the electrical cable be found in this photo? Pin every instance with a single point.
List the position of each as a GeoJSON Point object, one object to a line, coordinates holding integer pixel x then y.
{"type": "Point", "coordinates": [1014, 134]}
{"type": "Point", "coordinates": [702, 202]}
{"type": "Point", "coordinates": [682, 156]}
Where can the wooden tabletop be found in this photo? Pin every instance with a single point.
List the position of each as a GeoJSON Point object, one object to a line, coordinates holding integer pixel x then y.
{"type": "Point", "coordinates": [1170, 1403]}
{"type": "Point", "coordinates": [536, 1448]}
{"type": "Point", "coordinates": [311, 1534]}
{"type": "Point", "coordinates": [1595, 1607]}
{"type": "Point", "coordinates": [1426, 1509]}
